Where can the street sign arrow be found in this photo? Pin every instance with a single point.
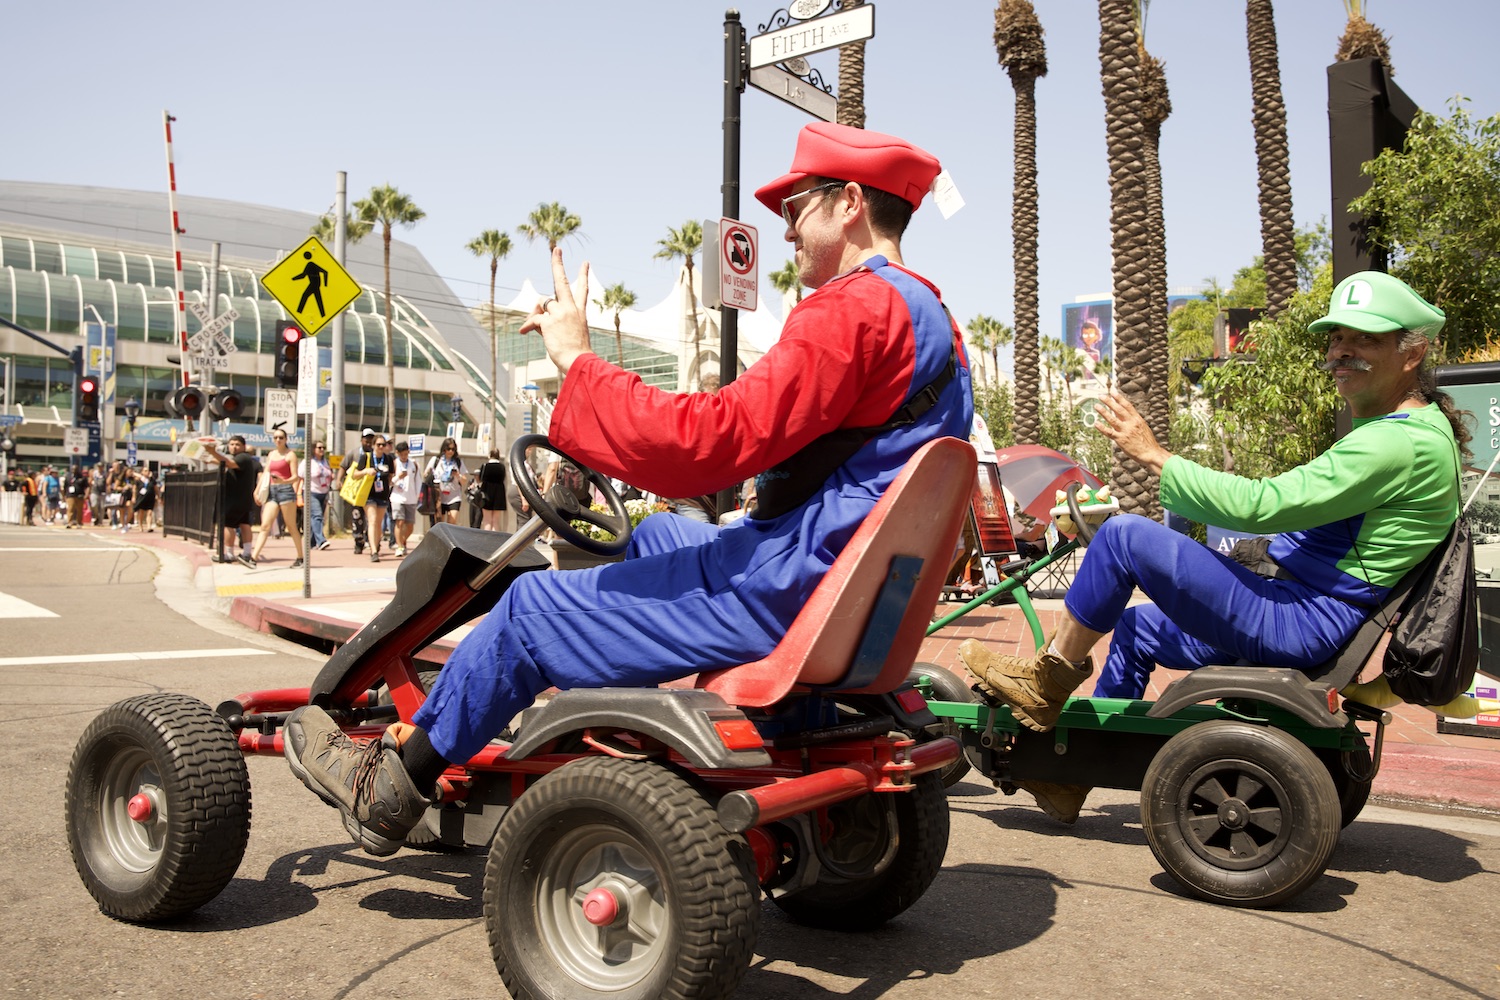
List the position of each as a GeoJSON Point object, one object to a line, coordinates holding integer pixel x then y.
{"type": "Point", "coordinates": [828, 32]}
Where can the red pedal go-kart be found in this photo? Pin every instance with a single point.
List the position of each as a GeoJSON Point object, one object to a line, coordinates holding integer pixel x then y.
{"type": "Point", "coordinates": [629, 831]}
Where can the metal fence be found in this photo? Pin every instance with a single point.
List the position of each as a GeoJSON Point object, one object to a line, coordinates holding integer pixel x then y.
{"type": "Point", "coordinates": [190, 504]}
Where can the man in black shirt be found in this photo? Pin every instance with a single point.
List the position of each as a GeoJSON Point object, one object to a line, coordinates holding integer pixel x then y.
{"type": "Point", "coordinates": [238, 499]}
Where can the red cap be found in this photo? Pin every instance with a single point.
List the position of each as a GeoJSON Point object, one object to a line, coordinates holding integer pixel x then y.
{"type": "Point", "coordinates": [855, 154]}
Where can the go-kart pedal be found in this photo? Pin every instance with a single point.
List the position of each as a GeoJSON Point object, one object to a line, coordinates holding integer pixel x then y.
{"type": "Point", "coordinates": [364, 780]}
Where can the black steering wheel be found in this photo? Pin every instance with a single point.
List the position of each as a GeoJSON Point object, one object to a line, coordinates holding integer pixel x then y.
{"type": "Point", "coordinates": [1085, 529]}
{"type": "Point", "coordinates": [560, 507]}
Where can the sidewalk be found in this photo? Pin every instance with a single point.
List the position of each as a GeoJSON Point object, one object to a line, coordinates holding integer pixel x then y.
{"type": "Point", "coordinates": [1421, 768]}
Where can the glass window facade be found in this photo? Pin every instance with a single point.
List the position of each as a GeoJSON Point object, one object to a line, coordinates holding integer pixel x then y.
{"type": "Point", "coordinates": [53, 288]}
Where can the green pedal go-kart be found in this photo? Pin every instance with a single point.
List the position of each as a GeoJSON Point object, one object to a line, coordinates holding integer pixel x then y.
{"type": "Point", "coordinates": [1247, 772]}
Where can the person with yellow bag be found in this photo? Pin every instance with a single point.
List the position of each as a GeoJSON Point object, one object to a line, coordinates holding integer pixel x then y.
{"type": "Point", "coordinates": [356, 479]}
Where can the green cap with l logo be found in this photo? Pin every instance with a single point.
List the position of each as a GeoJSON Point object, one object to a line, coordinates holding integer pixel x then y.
{"type": "Point", "coordinates": [1375, 302]}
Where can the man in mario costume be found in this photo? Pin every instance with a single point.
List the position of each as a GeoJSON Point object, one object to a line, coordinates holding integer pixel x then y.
{"type": "Point", "coordinates": [1349, 525]}
{"type": "Point", "coordinates": [868, 369]}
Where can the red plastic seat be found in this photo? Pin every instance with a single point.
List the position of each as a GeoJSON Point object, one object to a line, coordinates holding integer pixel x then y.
{"type": "Point", "coordinates": [919, 516]}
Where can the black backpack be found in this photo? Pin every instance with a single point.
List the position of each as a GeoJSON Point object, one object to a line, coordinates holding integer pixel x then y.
{"type": "Point", "coordinates": [1434, 648]}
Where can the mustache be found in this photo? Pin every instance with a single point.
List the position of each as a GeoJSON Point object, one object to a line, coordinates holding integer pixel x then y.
{"type": "Point", "coordinates": [1353, 364]}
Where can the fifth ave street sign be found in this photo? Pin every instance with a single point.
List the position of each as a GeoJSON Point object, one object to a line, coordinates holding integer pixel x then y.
{"type": "Point", "coordinates": [829, 32]}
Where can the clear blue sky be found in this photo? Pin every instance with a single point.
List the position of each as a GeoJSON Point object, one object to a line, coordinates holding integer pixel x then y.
{"type": "Point", "coordinates": [481, 110]}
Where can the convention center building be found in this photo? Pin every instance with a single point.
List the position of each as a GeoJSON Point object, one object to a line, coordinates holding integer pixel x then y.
{"type": "Point", "coordinates": [72, 258]}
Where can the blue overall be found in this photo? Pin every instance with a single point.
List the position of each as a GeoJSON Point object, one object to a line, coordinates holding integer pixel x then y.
{"type": "Point", "coordinates": [1231, 613]}
{"type": "Point", "coordinates": [689, 596]}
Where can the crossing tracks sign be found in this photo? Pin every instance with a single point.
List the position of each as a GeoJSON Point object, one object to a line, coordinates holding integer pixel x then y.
{"type": "Point", "coordinates": [311, 286]}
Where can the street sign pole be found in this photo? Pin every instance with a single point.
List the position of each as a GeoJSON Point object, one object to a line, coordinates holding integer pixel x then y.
{"type": "Point", "coordinates": [307, 548]}
{"type": "Point", "coordinates": [734, 86]}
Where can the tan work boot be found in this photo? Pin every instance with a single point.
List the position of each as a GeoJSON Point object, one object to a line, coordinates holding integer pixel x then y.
{"type": "Point", "coordinates": [1034, 687]}
{"type": "Point", "coordinates": [1061, 802]}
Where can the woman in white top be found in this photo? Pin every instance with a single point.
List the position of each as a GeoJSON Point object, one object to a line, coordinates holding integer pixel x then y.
{"type": "Point", "coordinates": [447, 470]}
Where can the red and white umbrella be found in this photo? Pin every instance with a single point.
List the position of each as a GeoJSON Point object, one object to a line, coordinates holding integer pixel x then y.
{"type": "Point", "coordinates": [1032, 475]}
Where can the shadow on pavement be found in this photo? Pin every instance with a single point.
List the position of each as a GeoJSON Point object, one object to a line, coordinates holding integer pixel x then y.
{"type": "Point", "coordinates": [1004, 908]}
{"type": "Point", "coordinates": [285, 893]}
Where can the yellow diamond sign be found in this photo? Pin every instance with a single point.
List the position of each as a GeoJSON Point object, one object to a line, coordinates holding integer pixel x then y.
{"type": "Point", "coordinates": [311, 286]}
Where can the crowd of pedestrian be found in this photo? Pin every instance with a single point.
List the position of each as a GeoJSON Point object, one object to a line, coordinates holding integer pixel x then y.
{"type": "Point", "coordinates": [115, 495]}
{"type": "Point", "coordinates": [282, 495]}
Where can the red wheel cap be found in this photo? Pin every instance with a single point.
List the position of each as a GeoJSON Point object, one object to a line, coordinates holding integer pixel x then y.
{"type": "Point", "coordinates": [600, 907]}
{"type": "Point", "coordinates": [140, 808]}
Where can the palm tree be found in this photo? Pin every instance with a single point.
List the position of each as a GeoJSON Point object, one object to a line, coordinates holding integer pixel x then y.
{"type": "Point", "coordinates": [851, 106]}
{"type": "Point", "coordinates": [388, 207]}
{"type": "Point", "coordinates": [1130, 245]}
{"type": "Point", "coordinates": [495, 245]}
{"type": "Point", "coordinates": [1018, 43]}
{"type": "Point", "coordinates": [787, 280]}
{"type": "Point", "coordinates": [354, 229]}
{"type": "Point", "coordinates": [1156, 107]}
{"type": "Point", "coordinates": [1361, 39]}
{"type": "Point", "coordinates": [617, 298]}
{"type": "Point", "coordinates": [989, 334]}
{"type": "Point", "coordinates": [684, 243]}
{"type": "Point", "coordinates": [1278, 238]}
{"type": "Point", "coordinates": [551, 222]}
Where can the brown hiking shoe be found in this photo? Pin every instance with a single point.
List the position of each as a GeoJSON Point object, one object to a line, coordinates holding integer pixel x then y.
{"type": "Point", "coordinates": [363, 779]}
{"type": "Point", "coordinates": [1034, 687]}
{"type": "Point", "coordinates": [1061, 802]}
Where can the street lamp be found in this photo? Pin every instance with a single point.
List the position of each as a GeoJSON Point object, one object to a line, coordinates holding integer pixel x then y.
{"type": "Point", "coordinates": [458, 408]}
{"type": "Point", "coordinates": [132, 410]}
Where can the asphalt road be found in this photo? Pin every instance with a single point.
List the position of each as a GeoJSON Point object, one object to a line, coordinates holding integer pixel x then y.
{"type": "Point", "coordinates": [1023, 907]}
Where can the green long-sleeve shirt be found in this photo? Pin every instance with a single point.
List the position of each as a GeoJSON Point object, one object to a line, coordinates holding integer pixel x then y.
{"type": "Point", "coordinates": [1352, 521]}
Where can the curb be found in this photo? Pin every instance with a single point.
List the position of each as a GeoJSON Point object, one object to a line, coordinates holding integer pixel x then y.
{"type": "Point", "coordinates": [263, 615]}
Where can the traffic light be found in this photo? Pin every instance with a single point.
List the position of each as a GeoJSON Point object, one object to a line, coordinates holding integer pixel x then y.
{"type": "Point", "coordinates": [88, 400]}
{"type": "Point", "coordinates": [226, 404]}
{"type": "Point", "coordinates": [288, 348]}
{"type": "Point", "coordinates": [187, 401]}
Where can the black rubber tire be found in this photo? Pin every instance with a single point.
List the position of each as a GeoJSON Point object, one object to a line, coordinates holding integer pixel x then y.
{"type": "Point", "coordinates": [945, 687]}
{"type": "Point", "coordinates": [179, 754]}
{"type": "Point", "coordinates": [1240, 814]}
{"type": "Point", "coordinates": [920, 821]}
{"type": "Point", "coordinates": [1353, 793]}
{"type": "Point", "coordinates": [641, 830]}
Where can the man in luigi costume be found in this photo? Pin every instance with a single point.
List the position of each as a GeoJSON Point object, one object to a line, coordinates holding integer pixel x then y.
{"type": "Point", "coordinates": [1348, 525]}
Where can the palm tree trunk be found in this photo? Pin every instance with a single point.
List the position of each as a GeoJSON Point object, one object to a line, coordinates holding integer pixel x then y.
{"type": "Point", "coordinates": [692, 307]}
{"type": "Point", "coordinates": [619, 341]}
{"type": "Point", "coordinates": [1277, 233]}
{"type": "Point", "coordinates": [494, 358]}
{"type": "Point", "coordinates": [1024, 227]}
{"type": "Point", "coordinates": [851, 105]}
{"type": "Point", "coordinates": [390, 342]}
{"type": "Point", "coordinates": [1156, 106]}
{"type": "Point", "coordinates": [1130, 245]}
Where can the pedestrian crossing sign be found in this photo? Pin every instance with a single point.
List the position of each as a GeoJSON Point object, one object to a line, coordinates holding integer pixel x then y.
{"type": "Point", "coordinates": [311, 286]}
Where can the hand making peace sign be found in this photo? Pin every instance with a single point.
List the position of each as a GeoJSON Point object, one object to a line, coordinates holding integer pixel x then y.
{"type": "Point", "coordinates": [560, 319]}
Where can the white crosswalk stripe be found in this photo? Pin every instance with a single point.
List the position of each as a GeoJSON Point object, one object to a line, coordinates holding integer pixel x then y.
{"type": "Point", "coordinates": [116, 656]}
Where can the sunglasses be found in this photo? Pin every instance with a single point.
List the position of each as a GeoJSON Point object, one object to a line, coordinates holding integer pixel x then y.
{"type": "Point", "coordinates": [786, 203]}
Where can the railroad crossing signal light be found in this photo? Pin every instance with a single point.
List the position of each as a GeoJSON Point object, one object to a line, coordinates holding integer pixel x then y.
{"type": "Point", "coordinates": [288, 349]}
{"type": "Point", "coordinates": [88, 400]}
{"type": "Point", "coordinates": [187, 401]}
{"type": "Point", "coordinates": [226, 404]}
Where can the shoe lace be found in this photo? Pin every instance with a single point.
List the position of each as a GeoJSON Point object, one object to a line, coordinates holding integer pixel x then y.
{"type": "Point", "coordinates": [370, 756]}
